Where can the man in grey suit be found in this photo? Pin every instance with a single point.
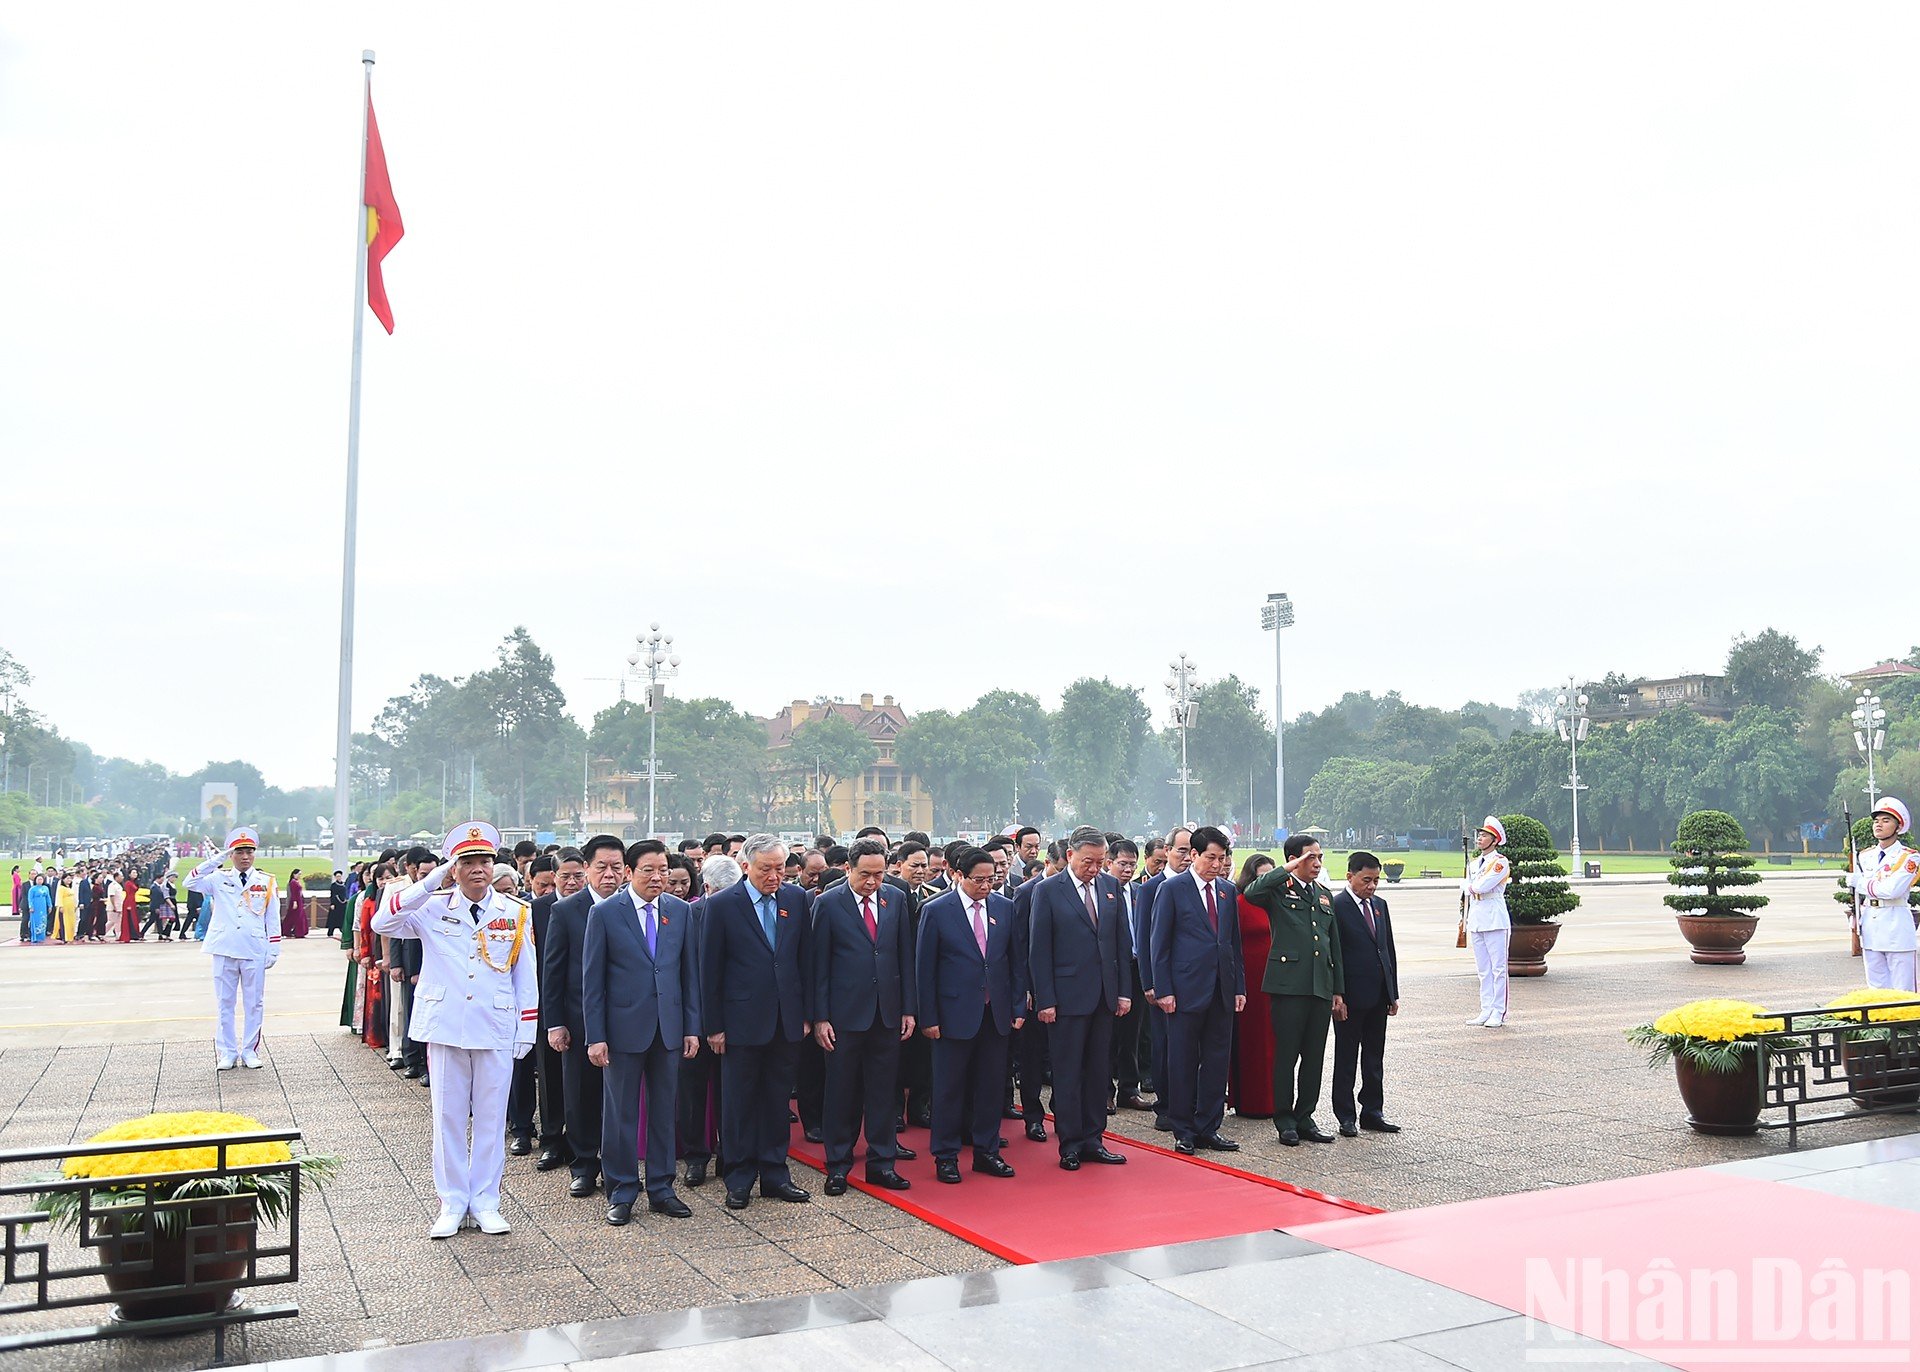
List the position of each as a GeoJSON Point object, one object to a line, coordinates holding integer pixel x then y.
{"type": "Point", "coordinates": [640, 992]}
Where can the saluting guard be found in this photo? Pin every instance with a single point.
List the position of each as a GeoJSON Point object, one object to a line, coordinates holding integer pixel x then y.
{"type": "Point", "coordinates": [1882, 877]}
{"type": "Point", "coordinates": [475, 1007]}
{"type": "Point", "coordinates": [1489, 928]}
{"type": "Point", "coordinates": [243, 938]}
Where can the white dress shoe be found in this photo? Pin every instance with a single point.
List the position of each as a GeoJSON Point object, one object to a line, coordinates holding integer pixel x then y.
{"type": "Point", "coordinates": [1496, 1022]}
{"type": "Point", "coordinates": [446, 1226]}
{"type": "Point", "coordinates": [249, 1060]}
{"type": "Point", "coordinates": [492, 1222]}
{"type": "Point", "coordinates": [224, 1065]}
{"type": "Point", "coordinates": [1480, 1018]}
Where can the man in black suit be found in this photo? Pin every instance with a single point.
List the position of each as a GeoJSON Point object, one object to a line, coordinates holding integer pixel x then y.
{"type": "Point", "coordinates": [972, 994]}
{"type": "Point", "coordinates": [1132, 1058]}
{"type": "Point", "coordinates": [413, 1053]}
{"type": "Point", "coordinates": [1081, 962]}
{"type": "Point", "coordinates": [753, 989]}
{"type": "Point", "coordinates": [863, 1001]}
{"type": "Point", "coordinates": [1176, 855]}
{"type": "Point", "coordinates": [1373, 994]}
{"type": "Point", "coordinates": [1200, 985]}
{"type": "Point", "coordinates": [641, 997]}
{"type": "Point", "coordinates": [562, 973]}
{"type": "Point", "coordinates": [570, 877]}
{"type": "Point", "coordinates": [1031, 1067]}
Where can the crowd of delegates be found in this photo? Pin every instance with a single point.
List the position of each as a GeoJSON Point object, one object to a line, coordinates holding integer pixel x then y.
{"type": "Point", "coordinates": [697, 1004]}
{"type": "Point", "coordinates": [123, 899]}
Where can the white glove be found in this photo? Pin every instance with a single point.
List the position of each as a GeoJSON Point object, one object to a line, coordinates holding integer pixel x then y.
{"type": "Point", "coordinates": [520, 1050]}
{"type": "Point", "coordinates": [1853, 881]}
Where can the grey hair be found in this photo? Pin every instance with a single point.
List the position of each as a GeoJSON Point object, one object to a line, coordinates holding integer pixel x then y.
{"type": "Point", "coordinates": [1086, 836]}
{"type": "Point", "coordinates": [718, 872]}
{"type": "Point", "coordinates": [757, 844]}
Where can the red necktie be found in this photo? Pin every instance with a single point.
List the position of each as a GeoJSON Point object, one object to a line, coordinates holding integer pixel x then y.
{"type": "Point", "coordinates": [1366, 908]}
{"type": "Point", "coordinates": [866, 913]}
{"type": "Point", "coordinates": [1213, 915]}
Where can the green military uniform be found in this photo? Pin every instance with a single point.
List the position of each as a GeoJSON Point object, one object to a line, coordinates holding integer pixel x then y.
{"type": "Point", "coordinates": [1303, 976]}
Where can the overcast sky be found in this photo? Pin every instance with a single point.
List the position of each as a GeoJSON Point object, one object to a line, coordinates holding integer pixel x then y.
{"type": "Point", "coordinates": [926, 350]}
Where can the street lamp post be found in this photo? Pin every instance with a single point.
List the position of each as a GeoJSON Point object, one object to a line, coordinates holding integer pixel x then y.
{"type": "Point", "coordinates": [1570, 716]}
{"type": "Point", "coordinates": [653, 662]}
{"type": "Point", "coordinates": [1869, 736]}
{"type": "Point", "coordinates": [1180, 688]}
{"type": "Point", "coordinates": [1276, 615]}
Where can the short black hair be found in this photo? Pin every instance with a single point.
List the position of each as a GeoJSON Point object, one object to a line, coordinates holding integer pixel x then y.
{"type": "Point", "coordinates": [526, 847]}
{"type": "Point", "coordinates": [680, 862]}
{"type": "Point", "coordinates": [1206, 836]}
{"type": "Point", "coordinates": [736, 838]}
{"type": "Point", "coordinates": [870, 830]}
{"type": "Point", "coordinates": [915, 836]}
{"type": "Point", "coordinates": [598, 843]}
{"type": "Point", "coordinates": [1297, 844]}
{"type": "Point", "coordinates": [999, 843]}
{"type": "Point", "coordinates": [1154, 845]}
{"type": "Point", "coordinates": [1057, 850]}
{"type": "Point", "coordinates": [1023, 831]}
{"type": "Point", "coordinates": [569, 855]}
{"type": "Point", "coordinates": [546, 862]}
{"type": "Point", "coordinates": [793, 859]}
{"type": "Point", "coordinates": [867, 847]}
{"type": "Point", "coordinates": [907, 848]}
{"type": "Point", "coordinates": [504, 856]}
{"type": "Point", "coordinates": [644, 848]}
{"type": "Point", "coordinates": [687, 845]}
{"type": "Point", "coordinates": [1123, 845]}
{"type": "Point", "coordinates": [970, 858]}
{"type": "Point", "coordinates": [836, 856]}
{"type": "Point", "coordinates": [1362, 861]}
{"type": "Point", "coordinates": [417, 854]}
{"type": "Point", "coordinates": [954, 851]}
{"type": "Point", "coordinates": [712, 841]}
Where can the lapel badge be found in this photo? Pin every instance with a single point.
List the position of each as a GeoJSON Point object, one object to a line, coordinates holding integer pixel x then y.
{"type": "Point", "coordinates": [993, 921]}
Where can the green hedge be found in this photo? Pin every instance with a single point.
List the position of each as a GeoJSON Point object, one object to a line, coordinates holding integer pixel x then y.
{"type": "Point", "coordinates": [1707, 861]}
{"type": "Point", "coordinates": [1539, 892]}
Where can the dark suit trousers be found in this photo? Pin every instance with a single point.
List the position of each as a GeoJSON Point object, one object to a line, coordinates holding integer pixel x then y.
{"type": "Point", "coordinates": [755, 1085]}
{"type": "Point", "coordinates": [1198, 1041]}
{"type": "Point", "coordinates": [969, 1082]}
{"type": "Point", "coordinates": [1129, 1039]}
{"type": "Point", "coordinates": [699, 1104]}
{"type": "Point", "coordinates": [1157, 1055]}
{"type": "Point", "coordinates": [553, 1115]}
{"type": "Point", "coordinates": [916, 1074]}
{"type": "Point", "coordinates": [581, 1083]}
{"type": "Point", "coordinates": [863, 1076]}
{"type": "Point", "coordinates": [1081, 1045]}
{"type": "Point", "coordinates": [1299, 1055]}
{"type": "Point", "coordinates": [411, 1049]}
{"type": "Point", "coordinates": [810, 1085]}
{"type": "Point", "coordinates": [522, 1091]}
{"type": "Point", "coordinates": [1359, 1040]}
{"type": "Point", "coordinates": [1031, 1065]}
{"type": "Point", "coordinates": [627, 1075]}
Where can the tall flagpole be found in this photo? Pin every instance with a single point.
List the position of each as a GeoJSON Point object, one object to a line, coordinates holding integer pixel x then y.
{"type": "Point", "coordinates": [343, 731]}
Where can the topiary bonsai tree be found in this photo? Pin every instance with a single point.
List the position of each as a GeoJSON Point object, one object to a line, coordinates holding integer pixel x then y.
{"type": "Point", "coordinates": [1709, 853]}
{"type": "Point", "coordinates": [1539, 893]}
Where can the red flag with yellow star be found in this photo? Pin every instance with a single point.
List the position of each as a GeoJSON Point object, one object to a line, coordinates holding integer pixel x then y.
{"type": "Point", "coordinates": [383, 220]}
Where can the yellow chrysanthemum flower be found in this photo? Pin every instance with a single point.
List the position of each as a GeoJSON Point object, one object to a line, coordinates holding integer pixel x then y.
{"type": "Point", "coordinates": [1877, 995]}
{"type": "Point", "coordinates": [184, 1124]}
{"type": "Point", "coordinates": [1717, 1021]}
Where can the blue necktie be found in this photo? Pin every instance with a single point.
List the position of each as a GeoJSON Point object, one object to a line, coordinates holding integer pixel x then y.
{"type": "Point", "coordinates": [647, 925]}
{"type": "Point", "coordinates": [769, 909]}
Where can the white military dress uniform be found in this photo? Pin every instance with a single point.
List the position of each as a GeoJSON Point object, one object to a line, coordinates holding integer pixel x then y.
{"type": "Point", "coordinates": [475, 1007]}
{"type": "Point", "coordinates": [243, 938]}
{"type": "Point", "coordinates": [1882, 878]}
{"type": "Point", "coordinates": [1489, 929]}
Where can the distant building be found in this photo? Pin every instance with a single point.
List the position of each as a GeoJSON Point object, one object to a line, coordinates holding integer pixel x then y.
{"type": "Point", "coordinates": [884, 794]}
{"type": "Point", "coordinates": [1879, 674]}
{"type": "Point", "coordinates": [1704, 695]}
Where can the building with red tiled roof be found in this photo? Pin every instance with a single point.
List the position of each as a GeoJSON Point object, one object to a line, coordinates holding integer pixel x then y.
{"type": "Point", "coordinates": [884, 794]}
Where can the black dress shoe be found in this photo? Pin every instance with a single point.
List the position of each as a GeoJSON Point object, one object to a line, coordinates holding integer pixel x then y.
{"type": "Point", "coordinates": [1133, 1100]}
{"type": "Point", "coordinates": [414, 1073]}
{"type": "Point", "coordinates": [521, 1146]}
{"type": "Point", "coordinates": [396, 1064]}
{"type": "Point", "coordinates": [620, 1212]}
{"type": "Point", "coordinates": [549, 1159]}
{"type": "Point", "coordinates": [1217, 1143]}
{"type": "Point", "coordinates": [672, 1206]}
{"type": "Point", "coordinates": [696, 1174]}
{"type": "Point", "coordinates": [992, 1164]}
{"type": "Point", "coordinates": [426, 1080]}
{"type": "Point", "coordinates": [921, 1118]}
{"type": "Point", "coordinates": [836, 1184]}
{"type": "Point", "coordinates": [947, 1170]}
{"type": "Point", "coordinates": [1290, 1137]}
{"type": "Point", "coordinates": [785, 1191]}
{"type": "Point", "coordinates": [1313, 1133]}
{"type": "Point", "coordinates": [738, 1200]}
{"type": "Point", "coordinates": [1162, 1124]}
{"type": "Point", "coordinates": [1010, 1111]}
{"type": "Point", "coordinates": [888, 1180]}
{"type": "Point", "coordinates": [1184, 1146]}
{"type": "Point", "coordinates": [1069, 1162]}
{"type": "Point", "coordinates": [582, 1187]}
{"type": "Point", "coordinates": [1036, 1131]}
{"type": "Point", "coordinates": [1349, 1130]}
{"type": "Point", "coordinates": [1000, 1141]}
{"type": "Point", "coordinates": [902, 1153]}
{"type": "Point", "coordinates": [811, 1135]}
{"type": "Point", "coordinates": [1379, 1126]}
{"type": "Point", "coordinates": [1100, 1153]}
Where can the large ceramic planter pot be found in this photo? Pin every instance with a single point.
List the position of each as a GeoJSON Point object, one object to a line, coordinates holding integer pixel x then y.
{"type": "Point", "coordinates": [148, 1262]}
{"type": "Point", "coordinates": [1527, 951]}
{"type": "Point", "coordinates": [1394, 870]}
{"type": "Point", "coordinates": [1720, 1102]}
{"type": "Point", "coordinates": [1878, 1078]}
{"type": "Point", "coordinates": [1718, 940]}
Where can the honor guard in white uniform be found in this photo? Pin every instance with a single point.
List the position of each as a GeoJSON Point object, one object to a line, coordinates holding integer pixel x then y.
{"type": "Point", "coordinates": [1489, 930]}
{"type": "Point", "coordinates": [1881, 879]}
{"type": "Point", "coordinates": [475, 1008]}
{"type": "Point", "coordinates": [243, 937]}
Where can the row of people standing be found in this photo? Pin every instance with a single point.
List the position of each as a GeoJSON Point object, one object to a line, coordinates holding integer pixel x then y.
{"type": "Point", "coordinates": [119, 900]}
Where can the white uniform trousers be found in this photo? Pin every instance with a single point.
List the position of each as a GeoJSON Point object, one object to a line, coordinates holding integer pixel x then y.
{"type": "Point", "coordinates": [1891, 971]}
{"type": "Point", "coordinates": [396, 1021]}
{"type": "Point", "coordinates": [1490, 961]}
{"type": "Point", "coordinates": [469, 1084]}
{"type": "Point", "coordinates": [243, 979]}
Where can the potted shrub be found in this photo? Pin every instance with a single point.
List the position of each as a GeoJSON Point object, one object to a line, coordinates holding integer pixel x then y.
{"type": "Point", "coordinates": [1536, 897]}
{"type": "Point", "coordinates": [1715, 1057]}
{"type": "Point", "coordinates": [1393, 866]}
{"type": "Point", "coordinates": [1715, 914]}
{"type": "Point", "coordinates": [137, 1260]}
{"type": "Point", "coordinates": [1882, 1064]}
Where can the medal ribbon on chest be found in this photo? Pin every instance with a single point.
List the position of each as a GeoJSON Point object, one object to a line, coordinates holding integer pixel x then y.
{"type": "Point", "coordinates": [513, 952]}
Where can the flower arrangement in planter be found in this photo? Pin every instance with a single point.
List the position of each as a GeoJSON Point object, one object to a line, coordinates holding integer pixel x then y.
{"type": "Point", "coordinates": [1537, 896]}
{"type": "Point", "coordinates": [1881, 1067]}
{"type": "Point", "coordinates": [1711, 866]}
{"type": "Point", "coordinates": [1713, 1046]}
{"type": "Point", "coordinates": [226, 1209]}
{"type": "Point", "coordinates": [1394, 866]}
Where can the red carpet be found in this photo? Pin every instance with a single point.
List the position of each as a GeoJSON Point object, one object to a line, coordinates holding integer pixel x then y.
{"type": "Point", "coordinates": [1045, 1214]}
{"type": "Point", "coordinates": [1698, 1269]}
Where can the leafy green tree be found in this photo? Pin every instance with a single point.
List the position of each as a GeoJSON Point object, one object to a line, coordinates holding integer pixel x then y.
{"type": "Point", "coordinates": [1229, 745]}
{"type": "Point", "coordinates": [1772, 669]}
{"type": "Point", "coordinates": [1712, 867]}
{"type": "Point", "coordinates": [1095, 742]}
{"type": "Point", "coordinates": [842, 751]}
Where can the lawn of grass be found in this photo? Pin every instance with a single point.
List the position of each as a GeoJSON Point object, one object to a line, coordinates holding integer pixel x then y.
{"type": "Point", "coordinates": [281, 867]}
{"type": "Point", "coordinates": [1610, 863]}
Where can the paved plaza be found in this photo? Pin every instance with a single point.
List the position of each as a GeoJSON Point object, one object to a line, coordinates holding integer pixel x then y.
{"type": "Point", "coordinates": [91, 1035]}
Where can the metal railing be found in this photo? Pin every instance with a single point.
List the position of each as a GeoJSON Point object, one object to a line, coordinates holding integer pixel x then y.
{"type": "Point", "coordinates": [1846, 1058]}
{"type": "Point", "coordinates": [219, 1232]}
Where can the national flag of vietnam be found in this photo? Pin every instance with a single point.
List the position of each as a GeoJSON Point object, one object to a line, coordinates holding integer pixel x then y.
{"type": "Point", "coordinates": [383, 220]}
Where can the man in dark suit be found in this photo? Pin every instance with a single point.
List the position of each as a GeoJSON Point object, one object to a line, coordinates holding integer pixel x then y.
{"type": "Point", "coordinates": [562, 972]}
{"type": "Point", "coordinates": [419, 861]}
{"type": "Point", "coordinates": [1372, 970]}
{"type": "Point", "coordinates": [753, 989]}
{"type": "Point", "coordinates": [1132, 1060]}
{"type": "Point", "coordinates": [1304, 985]}
{"type": "Point", "coordinates": [863, 1001]}
{"type": "Point", "coordinates": [1200, 985]}
{"type": "Point", "coordinates": [641, 997]}
{"type": "Point", "coordinates": [972, 994]}
{"type": "Point", "coordinates": [1081, 961]}
{"type": "Point", "coordinates": [1031, 1067]}
{"type": "Point", "coordinates": [1176, 855]}
{"type": "Point", "coordinates": [570, 877]}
